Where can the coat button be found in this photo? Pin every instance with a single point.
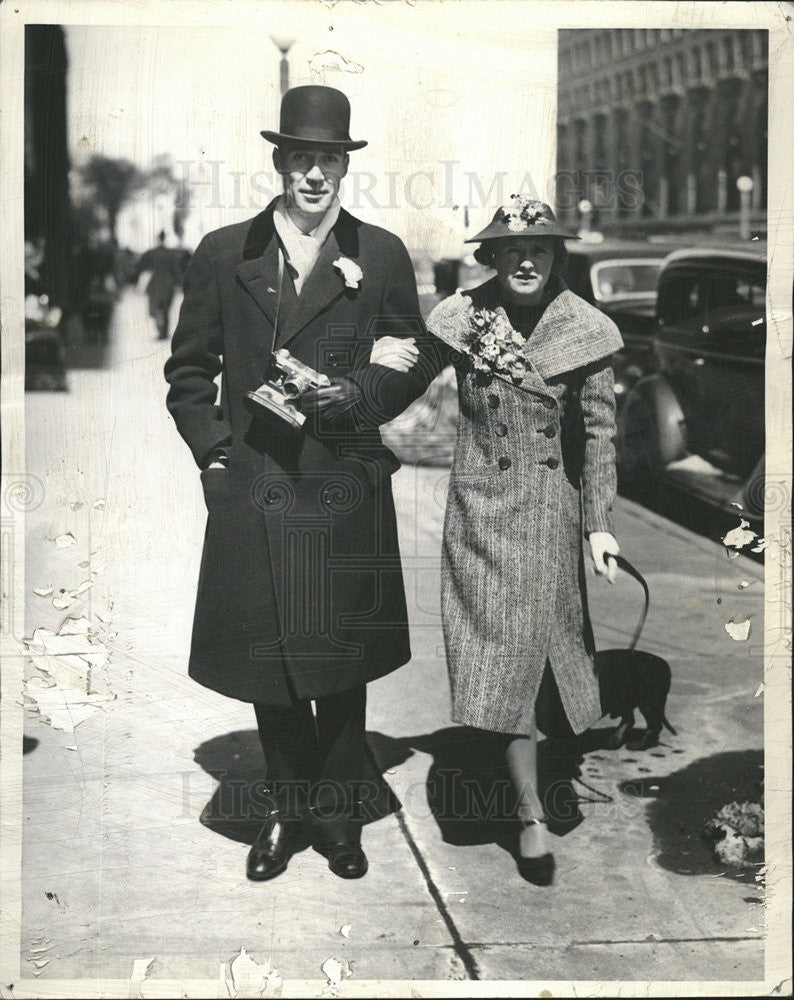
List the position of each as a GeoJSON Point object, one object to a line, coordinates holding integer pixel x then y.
{"type": "Point", "coordinates": [501, 430]}
{"type": "Point", "coordinates": [548, 402]}
{"type": "Point", "coordinates": [268, 498]}
{"type": "Point", "coordinates": [332, 360]}
{"type": "Point", "coordinates": [493, 400]}
{"type": "Point", "coordinates": [504, 463]}
{"type": "Point", "coordinates": [549, 431]}
{"type": "Point", "coordinates": [551, 462]}
{"type": "Point", "coordinates": [326, 497]}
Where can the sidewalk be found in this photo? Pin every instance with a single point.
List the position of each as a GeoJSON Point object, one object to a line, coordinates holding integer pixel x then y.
{"type": "Point", "coordinates": [118, 866]}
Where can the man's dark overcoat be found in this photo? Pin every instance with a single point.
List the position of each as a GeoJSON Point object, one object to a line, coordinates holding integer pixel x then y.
{"type": "Point", "coordinates": [300, 589]}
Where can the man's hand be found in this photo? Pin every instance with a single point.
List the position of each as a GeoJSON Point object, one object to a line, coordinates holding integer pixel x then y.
{"type": "Point", "coordinates": [331, 402]}
{"type": "Point", "coordinates": [603, 544]}
{"type": "Point", "coordinates": [399, 353]}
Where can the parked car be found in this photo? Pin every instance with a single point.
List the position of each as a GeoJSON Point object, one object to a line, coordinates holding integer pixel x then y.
{"type": "Point", "coordinates": [620, 278]}
{"type": "Point", "coordinates": [44, 360]}
{"type": "Point", "coordinates": [698, 423]}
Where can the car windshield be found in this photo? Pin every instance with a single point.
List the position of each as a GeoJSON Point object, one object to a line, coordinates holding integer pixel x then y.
{"type": "Point", "coordinates": [625, 279]}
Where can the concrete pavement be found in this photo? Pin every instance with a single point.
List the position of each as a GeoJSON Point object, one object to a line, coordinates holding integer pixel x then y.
{"type": "Point", "coordinates": [118, 865]}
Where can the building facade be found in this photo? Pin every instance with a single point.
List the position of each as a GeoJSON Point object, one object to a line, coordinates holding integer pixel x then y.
{"type": "Point", "coordinates": [47, 206]}
{"type": "Point", "coordinates": [655, 126]}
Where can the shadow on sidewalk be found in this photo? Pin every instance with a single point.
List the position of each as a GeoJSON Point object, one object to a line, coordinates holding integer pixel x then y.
{"type": "Point", "coordinates": [681, 803]}
{"type": "Point", "coordinates": [241, 800]}
{"type": "Point", "coordinates": [468, 787]}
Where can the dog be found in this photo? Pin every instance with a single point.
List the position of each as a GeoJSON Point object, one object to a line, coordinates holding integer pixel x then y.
{"type": "Point", "coordinates": [630, 679]}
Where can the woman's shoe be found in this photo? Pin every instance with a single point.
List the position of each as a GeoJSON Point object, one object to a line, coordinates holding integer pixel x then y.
{"type": "Point", "coordinates": [270, 852]}
{"type": "Point", "coordinates": [538, 870]}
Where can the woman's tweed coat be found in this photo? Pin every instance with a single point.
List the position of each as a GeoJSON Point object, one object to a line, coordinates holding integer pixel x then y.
{"type": "Point", "coordinates": [532, 461]}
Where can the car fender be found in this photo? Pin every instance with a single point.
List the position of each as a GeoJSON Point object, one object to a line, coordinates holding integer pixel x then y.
{"type": "Point", "coordinates": [651, 428]}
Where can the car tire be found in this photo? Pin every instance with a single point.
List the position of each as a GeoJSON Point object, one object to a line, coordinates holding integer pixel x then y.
{"type": "Point", "coordinates": [651, 433]}
{"type": "Point", "coordinates": [754, 492]}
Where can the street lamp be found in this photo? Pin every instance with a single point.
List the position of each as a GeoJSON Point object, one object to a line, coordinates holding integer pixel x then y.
{"type": "Point", "coordinates": [745, 187]}
{"type": "Point", "coordinates": [283, 45]}
{"type": "Point", "coordinates": [585, 208]}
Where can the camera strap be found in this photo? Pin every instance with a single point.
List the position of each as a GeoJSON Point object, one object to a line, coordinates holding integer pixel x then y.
{"type": "Point", "coordinates": [279, 291]}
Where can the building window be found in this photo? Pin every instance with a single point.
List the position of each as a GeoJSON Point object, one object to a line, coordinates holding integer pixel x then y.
{"type": "Point", "coordinates": [760, 49]}
{"type": "Point", "coordinates": [696, 65]}
{"type": "Point", "coordinates": [728, 58]}
{"type": "Point", "coordinates": [711, 55]}
{"type": "Point", "coordinates": [746, 53]}
{"type": "Point", "coordinates": [678, 71]}
{"type": "Point", "coordinates": [599, 134]}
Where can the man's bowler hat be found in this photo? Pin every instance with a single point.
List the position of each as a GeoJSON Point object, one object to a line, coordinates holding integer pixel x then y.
{"type": "Point", "coordinates": [316, 115]}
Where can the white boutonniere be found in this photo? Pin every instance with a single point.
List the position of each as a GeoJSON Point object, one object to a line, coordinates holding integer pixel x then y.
{"type": "Point", "coordinates": [351, 272]}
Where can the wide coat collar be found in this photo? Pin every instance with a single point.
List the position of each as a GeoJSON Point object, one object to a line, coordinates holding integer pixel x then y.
{"type": "Point", "coordinates": [569, 334]}
{"type": "Point", "coordinates": [259, 272]}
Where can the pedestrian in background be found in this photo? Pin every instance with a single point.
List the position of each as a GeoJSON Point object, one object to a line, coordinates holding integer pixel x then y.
{"type": "Point", "coordinates": [534, 465]}
{"type": "Point", "coordinates": [166, 273]}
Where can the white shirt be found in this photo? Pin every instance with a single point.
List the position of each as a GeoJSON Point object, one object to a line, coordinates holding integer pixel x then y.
{"type": "Point", "coordinates": [303, 249]}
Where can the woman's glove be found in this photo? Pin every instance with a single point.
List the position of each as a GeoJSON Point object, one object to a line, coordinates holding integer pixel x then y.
{"type": "Point", "coordinates": [603, 544]}
{"type": "Point", "coordinates": [399, 353]}
{"type": "Point", "coordinates": [332, 403]}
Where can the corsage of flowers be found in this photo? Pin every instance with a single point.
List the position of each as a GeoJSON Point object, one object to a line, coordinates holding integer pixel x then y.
{"type": "Point", "coordinates": [527, 212]}
{"type": "Point", "coordinates": [494, 345]}
{"type": "Point", "coordinates": [351, 272]}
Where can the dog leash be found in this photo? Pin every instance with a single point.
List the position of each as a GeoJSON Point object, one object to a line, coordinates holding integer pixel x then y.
{"type": "Point", "coordinates": [626, 566]}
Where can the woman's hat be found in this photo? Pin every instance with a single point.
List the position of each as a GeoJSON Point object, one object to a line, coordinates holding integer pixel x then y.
{"type": "Point", "coordinates": [524, 217]}
{"type": "Point", "coordinates": [315, 114]}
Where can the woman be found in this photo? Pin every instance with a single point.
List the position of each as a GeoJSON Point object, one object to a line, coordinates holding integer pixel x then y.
{"type": "Point", "coordinates": [534, 469]}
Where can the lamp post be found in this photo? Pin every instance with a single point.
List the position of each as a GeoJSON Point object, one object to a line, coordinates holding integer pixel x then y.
{"type": "Point", "coordinates": [585, 210]}
{"type": "Point", "coordinates": [745, 187]}
{"type": "Point", "coordinates": [283, 45]}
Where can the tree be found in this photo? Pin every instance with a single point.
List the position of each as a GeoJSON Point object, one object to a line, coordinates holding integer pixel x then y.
{"type": "Point", "coordinates": [110, 184]}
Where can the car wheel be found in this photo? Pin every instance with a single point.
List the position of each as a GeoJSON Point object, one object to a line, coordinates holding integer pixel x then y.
{"type": "Point", "coordinates": [651, 434]}
{"type": "Point", "coordinates": [754, 493]}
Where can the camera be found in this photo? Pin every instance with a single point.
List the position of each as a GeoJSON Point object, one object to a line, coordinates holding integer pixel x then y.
{"type": "Point", "coordinates": [281, 394]}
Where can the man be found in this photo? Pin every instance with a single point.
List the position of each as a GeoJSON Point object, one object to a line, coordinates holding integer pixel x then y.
{"type": "Point", "coordinates": [163, 265]}
{"type": "Point", "coordinates": [300, 594]}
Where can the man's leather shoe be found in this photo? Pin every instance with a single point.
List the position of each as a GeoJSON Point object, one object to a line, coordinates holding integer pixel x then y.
{"type": "Point", "coordinates": [270, 852]}
{"type": "Point", "coordinates": [345, 859]}
{"type": "Point", "coordinates": [339, 840]}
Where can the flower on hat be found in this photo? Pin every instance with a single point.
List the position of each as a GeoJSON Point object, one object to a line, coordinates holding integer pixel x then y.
{"type": "Point", "coordinates": [526, 212]}
{"type": "Point", "coordinates": [350, 270]}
